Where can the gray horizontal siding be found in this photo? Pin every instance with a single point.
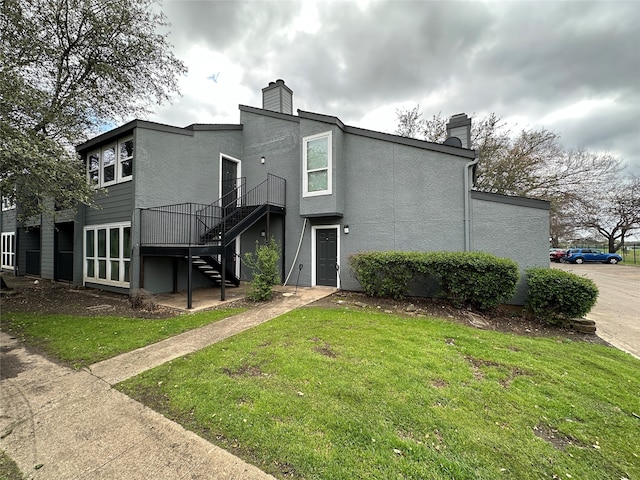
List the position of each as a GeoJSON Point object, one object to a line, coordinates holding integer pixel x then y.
{"type": "Point", "coordinates": [8, 220]}
{"type": "Point", "coordinates": [116, 205]}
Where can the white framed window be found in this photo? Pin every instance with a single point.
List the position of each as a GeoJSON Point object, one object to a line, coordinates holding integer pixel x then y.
{"type": "Point", "coordinates": [93, 168]}
{"type": "Point", "coordinates": [107, 254]}
{"type": "Point", "coordinates": [7, 204]}
{"type": "Point", "coordinates": [111, 164]}
{"type": "Point", "coordinates": [125, 159]}
{"type": "Point", "coordinates": [8, 250]}
{"type": "Point", "coordinates": [108, 172]}
{"type": "Point", "coordinates": [316, 164]}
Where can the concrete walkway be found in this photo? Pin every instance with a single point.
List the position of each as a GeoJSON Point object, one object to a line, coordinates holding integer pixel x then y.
{"type": "Point", "coordinates": [58, 423]}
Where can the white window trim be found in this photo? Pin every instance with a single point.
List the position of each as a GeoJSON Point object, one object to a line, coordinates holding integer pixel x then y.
{"type": "Point", "coordinates": [305, 172]}
{"type": "Point", "coordinates": [119, 160]}
{"type": "Point", "coordinates": [96, 279]}
{"type": "Point", "coordinates": [99, 153]}
{"type": "Point", "coordinates": [240, 192]}
{"type": "Point", "coordinates": [9, 255]}
{"type": "Point", "coordinates": [6, 205]}
{"type": "Point", "coordinates": [115, 164]}
{"type": "Point", "coordinates": [238, 174]}
{"type": "Point", "coordinates": [117, 177]}
{"type": "Point", "coordinates": [313, 252]}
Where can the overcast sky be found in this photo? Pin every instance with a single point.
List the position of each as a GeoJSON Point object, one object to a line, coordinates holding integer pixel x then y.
{"type": "Point", "coordinates": [572, 67]}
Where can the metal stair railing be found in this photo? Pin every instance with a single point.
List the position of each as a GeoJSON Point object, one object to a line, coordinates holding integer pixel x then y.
{"type": "Point", "coordinates": [272, 191]}
{"type": "Point", "coordinates": [189, 224]}
{"type": "Point", "coordinates": [182, 223]}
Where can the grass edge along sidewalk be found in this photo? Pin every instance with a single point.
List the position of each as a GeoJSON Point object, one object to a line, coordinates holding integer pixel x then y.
{"type": "Point", "coordinates": [334, 393]}
{"type": "Point", "coordinates": [82, 341]}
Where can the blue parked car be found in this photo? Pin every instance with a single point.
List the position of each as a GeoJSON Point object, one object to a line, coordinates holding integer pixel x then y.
{"type": "Point", "coordinates": [581, 255]}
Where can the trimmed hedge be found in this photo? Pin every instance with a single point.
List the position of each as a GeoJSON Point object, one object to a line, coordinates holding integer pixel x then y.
{"type": "Point", "coordinates": [465, 278]}
{"type": "Point", "coordinates": [557, 296]}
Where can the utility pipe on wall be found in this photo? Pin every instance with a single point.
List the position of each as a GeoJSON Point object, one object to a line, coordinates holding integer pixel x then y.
{"type": "Point", "coordinates": [304, 226]}
{"type": "Point", "coordinates": [468, 173]}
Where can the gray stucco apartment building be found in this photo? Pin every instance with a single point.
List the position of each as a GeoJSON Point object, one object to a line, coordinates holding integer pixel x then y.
{"type": "Point", "coordinates": [180, 206]}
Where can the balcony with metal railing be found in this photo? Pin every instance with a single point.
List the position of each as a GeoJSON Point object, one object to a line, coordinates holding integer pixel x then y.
{"type": "Point", "coordinates": [217, 224]}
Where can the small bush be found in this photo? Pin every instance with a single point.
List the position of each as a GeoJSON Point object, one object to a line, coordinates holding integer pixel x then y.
{"type": "Point", "coordinates": [474, 278]}
{"type": "Point", "coordinates": [265, 270]}
{"type": "Point", "coordinates": [385, 274]}
{"type": "Point", "coordinates": [141, 299]}
{"type": "Point", "coordinates": [478, 279]}
{"type": "Point", "coordinates": [557, 296]}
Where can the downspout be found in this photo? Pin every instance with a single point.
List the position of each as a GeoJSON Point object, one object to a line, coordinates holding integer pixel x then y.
{"type": "Point", "coordinates": [468, 173]}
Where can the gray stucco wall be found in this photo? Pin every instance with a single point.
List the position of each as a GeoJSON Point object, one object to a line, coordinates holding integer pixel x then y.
{"type": "Point", "coordinates": [393, 196]}
{"type": "Point", "coordinates": [514, 228]}
{"type": "Point", "coordinates": [158, 275]}
{"type": "Point", "coordinates": [171, 168]}
{"type": "Point", "coordinates": [175, 168]}
{"type": "Point", "coordinates": [277, 138]}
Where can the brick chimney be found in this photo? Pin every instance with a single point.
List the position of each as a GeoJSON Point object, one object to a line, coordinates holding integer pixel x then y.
{"type": "Point", "coordinates": [459, 126]}
{"type": "Point", "coordinates": [277, 97]}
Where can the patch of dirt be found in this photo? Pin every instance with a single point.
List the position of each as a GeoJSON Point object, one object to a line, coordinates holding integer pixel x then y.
{"type": "Point", "coordinates": [31, 295]}
{"type": "Point", "coordinates": [244, 370]}
{"type": "Point", "coordinates": [504, 318]}
{"type": "Point", "coordinates": [554, 437]}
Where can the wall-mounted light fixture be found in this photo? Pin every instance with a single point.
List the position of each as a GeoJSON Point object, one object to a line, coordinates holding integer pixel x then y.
{"type": "Point", "coordinates": [263, 233]}
{"type": "Point", "coordinates": [262, 160]}
{"type": "Point", "coordinates": [345, 229]}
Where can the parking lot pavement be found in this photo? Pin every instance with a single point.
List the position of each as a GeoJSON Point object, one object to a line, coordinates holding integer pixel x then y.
{"type": "Point", "coordinates": [617, 311]}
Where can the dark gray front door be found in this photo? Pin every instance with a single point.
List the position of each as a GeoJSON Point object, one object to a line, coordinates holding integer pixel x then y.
{"type": "Point", "coordinates": [229, 181]}
{"type": "Point", "coordinates": [63, 247]}
{"type": "Point", "coordinates": [326, 257]}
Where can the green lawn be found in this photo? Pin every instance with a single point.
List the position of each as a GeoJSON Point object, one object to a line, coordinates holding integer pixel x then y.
{"type": "Point", "coordinates": [341, 394]}
{"type": "Point", "coordinates": [81, 341]}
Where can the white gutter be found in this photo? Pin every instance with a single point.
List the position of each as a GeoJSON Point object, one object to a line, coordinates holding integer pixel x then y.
{"type": "Point", "coordinates": [467, 207]}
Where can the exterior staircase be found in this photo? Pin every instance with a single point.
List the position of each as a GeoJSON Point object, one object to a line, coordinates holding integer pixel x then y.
{"type": "Point", "coordinates": [211, 268]}
{"type": "Point", "coordinates": [203, 234]}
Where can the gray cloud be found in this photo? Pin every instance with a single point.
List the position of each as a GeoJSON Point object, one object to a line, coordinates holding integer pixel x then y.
{"type": "Point", "coordinates": [525, 59]}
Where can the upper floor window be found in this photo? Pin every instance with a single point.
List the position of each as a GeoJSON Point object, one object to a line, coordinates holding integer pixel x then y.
{"type": "Point", "coordinates": [316, 158]}
{"type": "Point", "coordinates": [111, 164]}
{"type": "Point", "coordinates": [7, 204]}
{"type": "Point", "coordinates": [125, 159]}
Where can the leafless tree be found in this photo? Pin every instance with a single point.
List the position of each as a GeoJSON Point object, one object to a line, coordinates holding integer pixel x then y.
{"type": "Point", "coordinates": [613, 213]}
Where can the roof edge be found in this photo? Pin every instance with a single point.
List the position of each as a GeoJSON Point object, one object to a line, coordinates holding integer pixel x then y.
{"type": "Point", "coordinates": [511, 200]}
{"type": "Point", "coordinates": [158, 127]}
{"type": "Point", "coordinates": [269, 113]}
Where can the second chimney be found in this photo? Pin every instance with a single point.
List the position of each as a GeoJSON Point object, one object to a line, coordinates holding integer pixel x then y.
{"type": "Point", "coordinates": [277, 97]}
{"type": "Point", "coordinates": [460, 126]}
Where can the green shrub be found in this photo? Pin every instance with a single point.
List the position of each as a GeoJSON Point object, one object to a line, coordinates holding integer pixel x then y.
{"type": "Point", "coordinates": [384, 274]}
{"type": "Point", "coordinates": [478, 279]}
{"type": "Point", "coordinates": [474, 278]}
{"type": "Point", "coordinates": [265, 270]}
{"type": "Point", "coordinates": [556, 296]}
